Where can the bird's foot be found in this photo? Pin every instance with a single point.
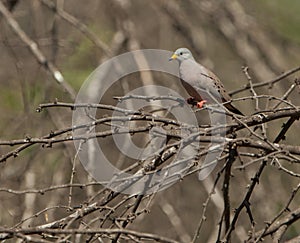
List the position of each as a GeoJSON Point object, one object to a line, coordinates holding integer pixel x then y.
{"type": "Point", "coordinates": [201, 103]}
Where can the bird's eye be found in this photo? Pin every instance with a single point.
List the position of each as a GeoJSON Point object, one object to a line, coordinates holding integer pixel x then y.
{"type": "Point", "coordinates": [180, 53]}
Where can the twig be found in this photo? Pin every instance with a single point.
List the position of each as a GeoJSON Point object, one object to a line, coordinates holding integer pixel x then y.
{"type": "Point", "coordinates": [139, 235]}
{"type": "Point", "coordinates": [287, 93]}
{"type": "Point", "coordinates": [133, 212]}
{"type": "Point", "coordinates": [271, 226]}
{"type": "Point", "coordinates": [226, 183]}
{"type": "Point", "coordinates": [285, 128]}
{"type": "Point", "coordinates": [150, 98]}
{"type": "Point", "coordinates": [291, 173]}
{"type": "Point", "coordinates": [245, 203]}
{"type": "Point", "coordinates": [205, 205]}
{"type": "Point", "coordinates": [245, 70]}
{"type": "Point", "coordinates": [78, 26]}
{"type": "Point", "coordinates": [33, 47]}
{"type": "Point", "coordinates": [270, 82]}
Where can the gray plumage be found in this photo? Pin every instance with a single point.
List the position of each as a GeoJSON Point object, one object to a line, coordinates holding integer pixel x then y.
{"type": "Point", "coordinates": [200, 82]}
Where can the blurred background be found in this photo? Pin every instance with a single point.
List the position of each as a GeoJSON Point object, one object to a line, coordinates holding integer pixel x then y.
{"type": "Point", "coordinates": [76, 36]}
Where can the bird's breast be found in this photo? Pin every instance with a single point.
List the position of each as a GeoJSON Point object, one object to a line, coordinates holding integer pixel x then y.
{"type": "Point", "coordinates": [199, 77]}
{"type": "Point", "coordinates": [195, 75]}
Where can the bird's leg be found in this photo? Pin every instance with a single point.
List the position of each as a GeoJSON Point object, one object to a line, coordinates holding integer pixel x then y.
{"type": "Point", "coordinates": [191, 101]}
{"type": "Point", "coordinates": [201, 103]}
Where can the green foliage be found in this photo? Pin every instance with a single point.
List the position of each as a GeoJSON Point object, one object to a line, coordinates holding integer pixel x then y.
{"type": "Point", "coordinates": [76, 77]}
{"type": "Point", "coordinates": [10, 99]}
{"type": "Point", "coordinates": [282, 16]}
{"type": "Point", "coordinates": [78, 66]}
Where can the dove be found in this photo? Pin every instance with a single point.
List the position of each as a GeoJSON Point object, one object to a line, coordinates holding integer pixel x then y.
{"type": "Point", "coordinates": [200, 83]}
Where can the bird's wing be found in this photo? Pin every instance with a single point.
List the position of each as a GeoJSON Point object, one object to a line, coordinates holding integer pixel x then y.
{"type": "Point", "coordinates": [202, 79]}
{"type": "Point", "coordinates": [197, 78]}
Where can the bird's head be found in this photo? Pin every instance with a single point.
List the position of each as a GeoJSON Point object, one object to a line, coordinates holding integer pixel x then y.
{"type": "Point", "coordinates": [181, 54]}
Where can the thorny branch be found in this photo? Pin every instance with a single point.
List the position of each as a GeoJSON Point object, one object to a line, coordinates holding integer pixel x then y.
{"type": "Point", "coordinates": [99, 213]}
{"type": "Point", "coordinates": [202, 136]}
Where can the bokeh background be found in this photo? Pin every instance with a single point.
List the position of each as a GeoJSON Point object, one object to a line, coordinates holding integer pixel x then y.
{"type": "Point", "coordinates": [79, 36]}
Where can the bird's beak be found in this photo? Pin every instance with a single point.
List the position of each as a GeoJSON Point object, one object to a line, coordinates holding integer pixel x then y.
{"type": "Point", "coordinates": [173, 57]}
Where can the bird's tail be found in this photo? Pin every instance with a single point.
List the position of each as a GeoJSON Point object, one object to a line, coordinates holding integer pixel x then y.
{"type": "Point", "coordinates": [231, 108]}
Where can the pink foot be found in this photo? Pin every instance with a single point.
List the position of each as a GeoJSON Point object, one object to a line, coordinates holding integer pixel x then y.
{"type": "Point", "coordinates": [201, 103]}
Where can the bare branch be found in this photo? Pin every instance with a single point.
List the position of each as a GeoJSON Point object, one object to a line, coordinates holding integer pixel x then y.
{"type": "Point", "coordinates": [267, 83]}
{"type": "Point", "coordinates": [140, 236]}
{"type": "Point", "coordinates": [33, 47]}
